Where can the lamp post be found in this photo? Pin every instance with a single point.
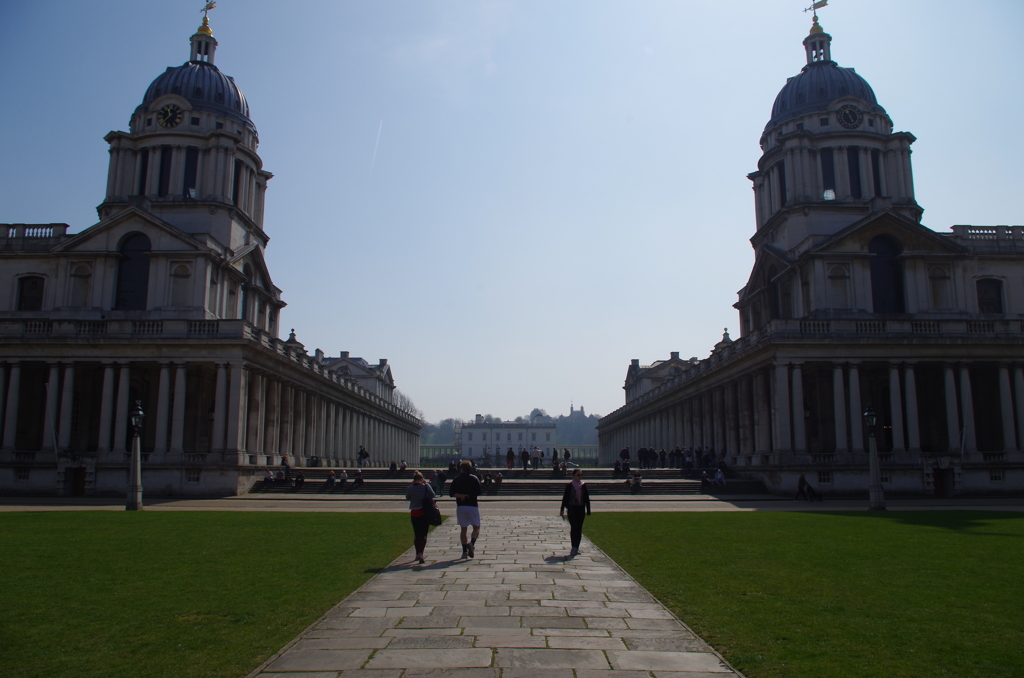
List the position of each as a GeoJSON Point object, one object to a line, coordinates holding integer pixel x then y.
{"type": "Point", "coordinates": [876, 496]}
{"type": "Point", "coordinates": [134, 502]}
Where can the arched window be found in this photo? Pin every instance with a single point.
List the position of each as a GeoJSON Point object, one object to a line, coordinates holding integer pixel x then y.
{"type": "Point", "coordinates": [886, 275]}
{"type": "Point", "coordinates": [30, 293]}
{"type": "Point", "coordinates": [81, 285]}
{"type": "Point", "coordinates": [990, 295]}
{"type": "Point", "coordinates": [133, 273]}
{"type": "Point", "coordinates": [181, 277]}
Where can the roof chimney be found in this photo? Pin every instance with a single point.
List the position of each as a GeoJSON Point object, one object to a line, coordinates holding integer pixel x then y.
{"type": "Point", "coordinates": [479, 418]}
{"type": "Point", "coordinates": [675, 355]}
{"type": "Point", "coordinates": [635, 362]}
{"type": "Point", "coordinates": [344, 354]}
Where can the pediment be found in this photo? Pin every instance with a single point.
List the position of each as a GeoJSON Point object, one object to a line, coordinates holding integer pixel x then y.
{"type": "Point", "coordinates": [107, 234]}
{"type": "Point", "coordinates": [912, 236]}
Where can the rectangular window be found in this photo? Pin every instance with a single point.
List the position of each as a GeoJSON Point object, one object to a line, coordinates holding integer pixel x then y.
{"type": "Point", "coordinates": [509, 437]}
{"type": "Point", "coordinates": [824, 477]}
{"type": "Point", "coordinates": [884, 476]}
{"type": "Point", "coordinates": [828, 170]}
{"type": "Point", "coordinates": [21, 474]}
{"type": "Point", "coordinates": [781, 169]}
{"type": "Point", "coordinates": [823, 122]}
{"type": "Point", "coordinates": [995, 475]}
{"type": "Point", "coordinates": [470, 436]}
{"type": "Point", "coordinates": [191, 170]}
{"type": "Point", "coordinates": [547, 437]}
{"type": "Point", "coordinates": [469, 450]}
{"type": "Point", "coordinates": [483, 437]}
{"type": "Point", "coordinates": [799, 125]}
{"type": "Point", "coordinates": [853, 163]}
{"type": "Point", "coordinates": [143, 170]}
{"type": "Point", "coordinates": [876, 171]}
{"type": "Point", "coordinates": [534, 438]}
{"type": "Point", "coordinates": [195, 121]}
{"type": "Point", "coordinates": [520, 437]}
{"type": "Point", "coordinates": [164, 184]}
{"type": "Point", "coordinates": [192, 475]}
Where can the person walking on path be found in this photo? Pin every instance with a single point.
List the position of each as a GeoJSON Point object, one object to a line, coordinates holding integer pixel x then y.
{"type": "Point", "coordinates": [363, 457]}
{"type": "Point", "coordinates": [510, 459]}
{"type": "Point", "coordinates": [466, 488]}
{"type": "Point", "coordinates": [575, 499]}
{"type": "Point", "coordinates": [420, 496]}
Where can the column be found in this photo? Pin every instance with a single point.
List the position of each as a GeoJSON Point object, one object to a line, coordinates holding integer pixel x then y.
{"type": "Point", "coordinates": [106, 408]}
{"type": "Point", "coordinates": [220, 407]}
{"type": "Point", "coordinates": [178, 413]}
{"type": "Point", "coordinates": [746, 413]}
{"type": "Point", "coordinates": [856, 413]}
{"type": "Point", "coordinates": [952, 415]}
{"type": "Point", "coordinates": [11, 414]}
{"type": "Point", "coordinates": [121, 411]}
{"type": "Point", "coordinates": [236, 410]}
{"type": "Point", "coordinates": [299, 404]}
{"type": "Point", "coordinates": [1006, 403]}
{"type": "Point", "coordinates": [273, 442]}
{"type": "Point", "coordinates": [718, 420]}
{"type": "Point", "coordinates": [732, 434]}
{"type": "Point", "coordinates": [913, 423]}
{"type": "Point", "coordinates": [781, 419]}
{"type": "Point", "coordinates": [762, 414]}
{"type": "Point", "coordinates": [896, 409]}
{"type": "Point", "coordinates": [839, 408]}
{"type": "Point", "coordinates": [163, 408]}
{"type": "Point", "coordinates": [799, 431]}
{"type": "Point", "coordinates": [67, 403]}
{"type": "Point", "coordinates": [967, 409]}
{"type": "Point", "coordinates": [49, 416]}
{"type": "Point", "coordinates": [286, 420]}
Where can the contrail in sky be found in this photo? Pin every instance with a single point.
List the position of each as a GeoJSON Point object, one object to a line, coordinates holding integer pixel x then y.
{"type": "Point", "coordinates": [372, 162]}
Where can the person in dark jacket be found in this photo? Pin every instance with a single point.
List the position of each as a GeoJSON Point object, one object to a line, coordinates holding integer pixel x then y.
{"type": "Point", "coordinates": [575, 499]}
{"type": "Point", "coordinates": [466, 488]}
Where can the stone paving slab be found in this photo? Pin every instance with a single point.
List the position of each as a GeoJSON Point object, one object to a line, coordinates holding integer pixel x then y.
{"type": "Point", "coordinates": [521, 609]}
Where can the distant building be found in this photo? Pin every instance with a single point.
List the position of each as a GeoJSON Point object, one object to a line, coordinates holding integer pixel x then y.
{"type": "Point", "coordinates": [168, 301]}
{"type": "Point", "coordinates": [480, 438]}
{"type": "Point", "coordinates": [852, 303]}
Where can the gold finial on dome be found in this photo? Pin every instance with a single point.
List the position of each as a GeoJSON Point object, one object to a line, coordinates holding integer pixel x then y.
{"type": "Point", "coordinates": [815, 26]}
{"type": "Point", "coordinates": [205, 28]}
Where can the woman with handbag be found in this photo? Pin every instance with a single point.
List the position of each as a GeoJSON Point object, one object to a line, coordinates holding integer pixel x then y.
{"type": "Point", "coordinates": [421, 503]}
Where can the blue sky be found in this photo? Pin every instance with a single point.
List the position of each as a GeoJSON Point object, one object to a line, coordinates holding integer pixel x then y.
{"type": "Point", "coordinates": [558, 187]}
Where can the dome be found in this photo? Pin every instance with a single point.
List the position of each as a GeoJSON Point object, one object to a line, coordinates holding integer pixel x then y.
{"type": "Point", "coordinates": [818, 85]}
{"type": "Point", "coordinates": [205, 88]}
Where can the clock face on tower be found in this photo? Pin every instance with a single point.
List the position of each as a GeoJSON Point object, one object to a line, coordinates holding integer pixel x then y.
{"type": "Point", "coordinates": [850, 116]}
{"type": "Point", "coordinates": [169, 116]}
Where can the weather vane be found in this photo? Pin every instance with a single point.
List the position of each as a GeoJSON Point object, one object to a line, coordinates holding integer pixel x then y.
{"type": "Point", "coordinates": [211, 5]}
{"type": "Point", "coordinates": [813, 8]}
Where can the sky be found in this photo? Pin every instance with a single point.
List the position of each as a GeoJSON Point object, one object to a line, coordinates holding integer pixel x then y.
{"type": "Point", "coordinates": [511, 199]}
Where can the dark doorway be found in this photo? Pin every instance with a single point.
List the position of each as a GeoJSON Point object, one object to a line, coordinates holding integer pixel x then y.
{"type": "Point", "coordinates": [886, 275]}
{"type": "Point", "coordinates": [74, 482]}
{"type": "Point", "coordinates": [943, 482]}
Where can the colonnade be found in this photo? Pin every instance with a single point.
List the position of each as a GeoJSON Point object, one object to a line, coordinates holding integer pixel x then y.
{"type": "Point", "coordinates": [763, 412]}
{"type": "Point", "coordinates": [251, 417]}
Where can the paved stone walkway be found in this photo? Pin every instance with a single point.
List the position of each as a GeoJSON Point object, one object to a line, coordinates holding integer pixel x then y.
{"type": "Point", "coordinates": [520, 609]}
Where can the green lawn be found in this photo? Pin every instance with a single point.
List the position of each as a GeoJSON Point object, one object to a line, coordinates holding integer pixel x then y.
{"type": "Point", "coordinates": [175, 594]}
{"type": "Point", "coordinates": [921, 593]}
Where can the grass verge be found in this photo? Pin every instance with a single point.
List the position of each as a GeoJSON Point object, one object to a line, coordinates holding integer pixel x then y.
{"type": "Point", "coordinates": [896, 594]}
{"type": "Point", "coordinates": [176, 594]}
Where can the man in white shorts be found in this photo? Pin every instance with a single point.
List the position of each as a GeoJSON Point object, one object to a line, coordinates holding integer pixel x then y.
{"type": "Point", "coordinates": [466, 488]}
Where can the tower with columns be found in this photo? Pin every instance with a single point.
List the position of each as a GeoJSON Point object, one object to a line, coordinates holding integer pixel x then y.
{"type": "Point", "coordinates": [168, 300]}
{"type": "Point", "coordinates": [852, 302]}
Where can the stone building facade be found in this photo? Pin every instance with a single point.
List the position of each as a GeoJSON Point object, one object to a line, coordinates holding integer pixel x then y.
{"type": "Point", "coordinates": [852, 303]}
{"type": "Point", "coordinates": [494, 438]}
{"type": "Point", "coordinates": [168, 301]}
